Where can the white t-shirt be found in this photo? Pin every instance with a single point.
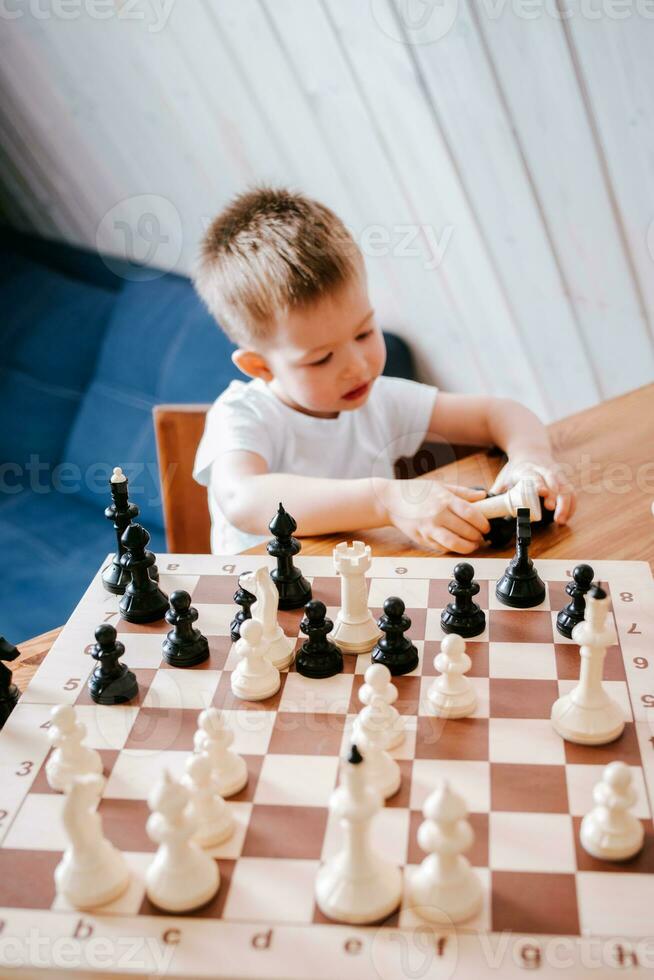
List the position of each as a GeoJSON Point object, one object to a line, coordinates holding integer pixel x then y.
{"type": "Point", "coordinates": [364, 442]}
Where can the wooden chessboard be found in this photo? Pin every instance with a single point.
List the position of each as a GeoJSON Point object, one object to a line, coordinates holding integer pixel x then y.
{"type": "Point", "coordinates": [547, 903]}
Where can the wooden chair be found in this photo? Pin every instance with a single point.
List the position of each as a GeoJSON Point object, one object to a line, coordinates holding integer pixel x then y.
{"type": "Point", "coordinates": [178, 430]}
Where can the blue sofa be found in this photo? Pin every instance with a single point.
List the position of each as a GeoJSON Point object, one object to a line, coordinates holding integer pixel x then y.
{"type": "Point", "coordinates": [87, 349]}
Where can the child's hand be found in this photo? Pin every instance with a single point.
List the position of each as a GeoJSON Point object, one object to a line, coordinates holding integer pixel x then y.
{"type": "Point", "coordinates": [550, 481]}
{"type": "Point", "coordinates": [435, 515]}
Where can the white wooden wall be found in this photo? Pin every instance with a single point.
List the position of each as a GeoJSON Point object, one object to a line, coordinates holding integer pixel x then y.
{"type": "Point", "coordinates": [518, 135]}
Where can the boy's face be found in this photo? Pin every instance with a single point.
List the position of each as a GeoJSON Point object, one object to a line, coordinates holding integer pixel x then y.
{"type": "Point", "coordinates": [324, 360]}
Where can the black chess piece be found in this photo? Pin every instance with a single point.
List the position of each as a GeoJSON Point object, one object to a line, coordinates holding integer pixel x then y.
{"type": "Point", "coordinates": [184, 645]}
{"type": "Point", "coordinates": [318, 656]}
{"type": "Point", "coordinates": [577, 588]}
{"type": "Point", "coordinates": [143, 600]}
{"type": "Point", "coordinates": [244, 599]}
{"type": "Point", "coordinates": [9, 693]}
{"type": "Point", "coordinates": [394, 649]}
{"type": "Point", "coordinates": [521, 586]}
{"type": "Point", "coordinates": [463, 616]}
{"type": "Point", "coordinates": [121, 513]}
{"type": "Point", "coordinates": [111, 682]}
{"type": "Point", "coordinates": [294, 590]}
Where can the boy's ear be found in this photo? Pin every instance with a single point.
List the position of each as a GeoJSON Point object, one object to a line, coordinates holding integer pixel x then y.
{"type": "Point", "coordinates": [252, 364]}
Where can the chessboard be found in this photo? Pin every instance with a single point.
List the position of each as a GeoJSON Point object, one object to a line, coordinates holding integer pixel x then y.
{"type": "Point", "coordinates": [548, 904]}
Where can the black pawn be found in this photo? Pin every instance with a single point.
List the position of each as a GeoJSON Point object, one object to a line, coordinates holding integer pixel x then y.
{"type": "Point", "coordinates": [143, 600]}
{"type": "Point", "coordinates": [395, 650]}
{"type": "Point", "coordinates": [111, 682]}
{"type": "Point", "coordinates": [121, 513]}
{"type": "Point", "coordinates": [463, 616]}
{"type": "Point", "coordinates": [574, 612]}
{"type": "Point", "coordinates": [244, 599]}
{"type": "Point", "coordinates": [521, 586]}
{"type": "Point", "coordinates": [294, 590]}
{"type": "Point", "coordinates": [9, 693]}
{"type": "Point", "coordinates": [184, 646]}
{"type": "Point", "coordinates": [318, 656]}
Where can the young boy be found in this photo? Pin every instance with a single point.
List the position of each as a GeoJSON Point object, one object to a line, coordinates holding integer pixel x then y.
{"type": "Point", "coordinates": [318, 426]}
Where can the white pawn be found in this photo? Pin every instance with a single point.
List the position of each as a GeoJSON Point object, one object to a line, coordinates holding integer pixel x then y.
{"type": "Point", "coordinates": [70, 757]}
{"type": "Point", "coordinates": [207, 808]}
{"type": "Point", "coordinates": [255, 677]}
{"type": "Point", "coordinates": [609, 831]}
{"type": "Point", "coordinates": [181, 876]}
{"type": "Point", "coordinates": [357, 885]}
{"type": "Point", "coordinates": [280, 649]}
{"type": "Point", "coordinates": [451, 695]}
{"type": "Point", "coordinates": [373, 724]}
{"type": "Point", "coordinates": [445, 888]}
{"type": "Point", "coordinates": [378, 682]}
{"type": "Point", "coordinates": [228, 769]}
{"type": "Point", "coordinates": [92, 872]}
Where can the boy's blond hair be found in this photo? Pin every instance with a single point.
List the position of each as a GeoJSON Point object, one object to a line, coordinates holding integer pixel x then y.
{"type": "Point", "coordinates": [271, 250]}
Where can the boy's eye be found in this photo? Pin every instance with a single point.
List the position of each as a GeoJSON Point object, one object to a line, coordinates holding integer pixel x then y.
{"type": "Point", "coordinates": [323, 360]}
{"type": "Point", "coordinates": [362, 336]}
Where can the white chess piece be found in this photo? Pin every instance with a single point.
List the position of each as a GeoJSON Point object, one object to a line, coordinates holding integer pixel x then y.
{"type": "Point", "coordinates": [372, 726]}
{"type": "Point", "coordinates": [609, 831]}
{"type": "Point", "coordinates": [451, 695]}
{"type": "Point", "coordinates": [378, 683]}
{"type": "Point", "coordinates": [92, 872]}
{"type": "Point", "coordinates": [523, 494]}
{"type": "Point", "coordinates": [355, 630]}
{"type": "Point", "coordinates": [70, 757]}
{"type": "Point", "coordinates": [357, 885]}
{"type": "Point", "coordinates": [228, 769]}
{"type": "Point", "coordinates": [445, 888]}
{"type": "Point", "coordinates": [181, 876]}
{"type": "Point", "coordinates": [587, 714]}
{"type": "Point", "coordinates": [255, 676]}
{"type": "Point", "coordinates": [280, 648]}
{"type": "Point", "coordinates": [207, 808]}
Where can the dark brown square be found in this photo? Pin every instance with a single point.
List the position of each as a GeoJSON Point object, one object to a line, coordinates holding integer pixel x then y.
{"type": "Point", "coordinates": [295, 733]}
{"type": "Point", "coordinates": [522, 626]}
{"type": "Point", "coordinates": [477, 651]}
{"type": "Point", "coordinates": [528, 789]}
{"type": "Point", "coordinates": [327, 588]}
{"type": "Point", "coordinates": [246, 795]}
{"type": "Point", "coordinates": [165, 729]}
{"type": "Point", "coordinates": [452, 738]}
{"type": "Point", "coordinates": [123, 823]}
{"type": "Point", "coordinates": [144, 677]}
{"type": "Point", "coordinates": [641, 863]}
{"type": "Point", "coordinates": [216, 590]}
{"type": "Point", "coordinates": [439, 595]}
{"type": "Point", "coordinates": [28, 877]}
{"type": "Point", "coordinates": [401, 799]}
{"type": "Point", "coordinates": [41, 785]}
{"type": "Point", "coordinates": [224, 698]}
{"type": "Point", "coordinates": [219, 647]}
{"type": "Point", "coordinates": [478, 853]}
{"type": "Point", "coordinates": [519, 698]}
{"type": "Point", "coordinates": [568, 663]}
{"type": "Point", "coordinates": [285, 832]}
{"type": "Point", "coordinates": [534, 903]}
{"type": "Point", "coordinates": [624, 748]}
{"type": "Point", "coordinates": [213, 909]}
{"type": "Point", "coordinates": [418, 619]}
{"type": "Point", "coordinates": [408, 694]}
{"type": "Point", "coordinates": [558, 596]}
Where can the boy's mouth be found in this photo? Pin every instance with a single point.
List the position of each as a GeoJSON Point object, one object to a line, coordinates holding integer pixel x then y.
{"type": "Point", "coordinates": [357, 392]}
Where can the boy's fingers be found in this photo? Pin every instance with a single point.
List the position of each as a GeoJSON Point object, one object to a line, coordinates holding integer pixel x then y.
{"type": "Point", "coordinates": [452, 542]}
{"type": "Point", "coordinates": [472, 515]}
{"type": "Point", "coordinates": [468, 493]}
{"type": "Point", "coordinates": [458, 526]}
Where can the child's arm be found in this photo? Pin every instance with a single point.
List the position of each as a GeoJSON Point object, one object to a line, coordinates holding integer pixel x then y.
{"type": "Point", "coordinates": [431, 514]}
{"type": "Point", "coordinates": [479, 420]}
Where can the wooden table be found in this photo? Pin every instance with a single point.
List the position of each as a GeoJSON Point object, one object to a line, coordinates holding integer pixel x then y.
{"type": "Point", "coordinates": [607, 451]}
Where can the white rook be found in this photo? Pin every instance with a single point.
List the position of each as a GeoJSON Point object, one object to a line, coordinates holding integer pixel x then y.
{"type": "Point", "coordinates": [355, 630]}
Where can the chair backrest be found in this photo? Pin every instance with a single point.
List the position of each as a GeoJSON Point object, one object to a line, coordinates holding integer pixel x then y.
{"type": "Point", "coordinates": [178, 430]}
